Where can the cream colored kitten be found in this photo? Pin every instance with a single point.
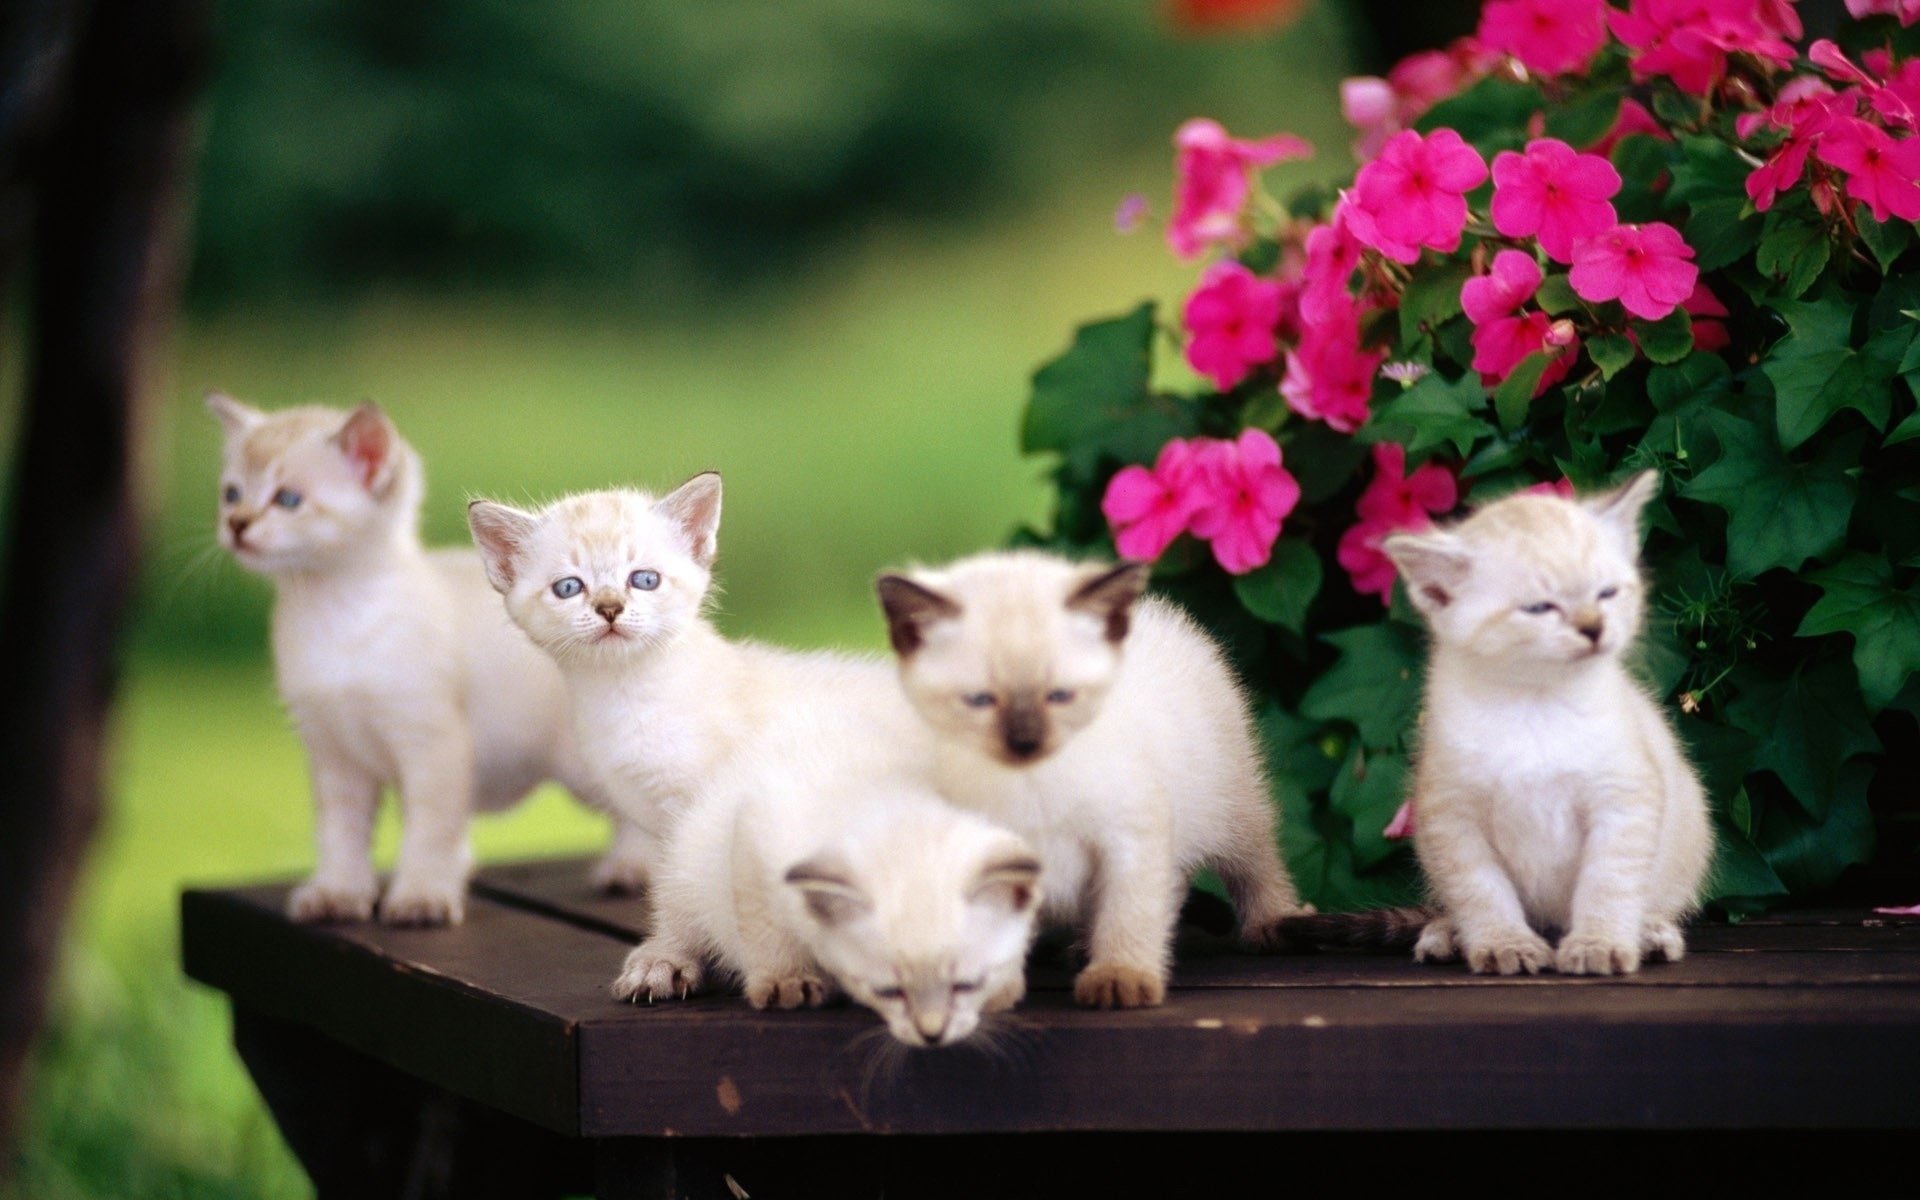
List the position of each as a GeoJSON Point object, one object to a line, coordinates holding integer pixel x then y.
{"type": "Point", "coordinates": [612, 586]}
{"type": "Point", "coordinates": [395, 662]}
{"type": "Point", "coordinates": [1553, 794]}
{"type": "Point", "coordinates": [1107, 732]}
{"type": "Point", "coordinates": [818, 862]}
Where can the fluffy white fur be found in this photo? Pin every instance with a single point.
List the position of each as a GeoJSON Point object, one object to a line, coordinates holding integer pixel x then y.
{"type": "Point", "coordinates": [395, 662]}
{"type": "Point", "coordinates": [1105, 729]}
{"type": "Point", "coordinates": [1552, 795]}
{"type": "Point", "coordinates": [819, 863]}
{"type": "Point", "coordinates": [661, 701]}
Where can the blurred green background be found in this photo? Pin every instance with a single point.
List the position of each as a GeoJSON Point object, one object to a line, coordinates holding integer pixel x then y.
{"type": "Point", "coordinates": [816, 244]}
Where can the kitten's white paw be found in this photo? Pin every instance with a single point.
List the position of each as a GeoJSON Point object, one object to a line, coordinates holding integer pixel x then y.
{"type": "Point", "coordinates": [1118, 985]}
{"type": "Point", "coordinates": [1662, 939]}
{"type": "Point", "coordinates": [1006, 995]}
{"type": "Point", "coordinates": [1595, 954]}
{"type": "Point", "coordinates": [315, 902]}
{"type": "Point", "coordinates": [654, 973]}
{"type": "Point", "coordinates": [1509, 954]}
{"type": "Point", "coordinates": [415, 901]}
{"type": "Point", "coordinates": [619, 875]}
{"type": "Point", "coordinates": [1436, 942]}
{"type": "Point", "coordinates": [804, 990]}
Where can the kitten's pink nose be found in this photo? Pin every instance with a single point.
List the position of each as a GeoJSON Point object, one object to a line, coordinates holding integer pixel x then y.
{"type": "Point", "coordinates": [238, 524]}
{"type": "Point", "coordinates": [932, 1026]}
{"type": "Point", "coordinates": [610, 609]}
{"type": "Point", "coordinates": [1591, 632]}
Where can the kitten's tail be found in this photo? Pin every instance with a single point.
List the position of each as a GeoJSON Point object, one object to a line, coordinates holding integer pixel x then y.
{"type": "Point", "coordinates": [1395, 928]}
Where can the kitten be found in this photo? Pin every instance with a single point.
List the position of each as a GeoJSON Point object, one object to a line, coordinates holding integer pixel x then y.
{"type": "Point", "coordinates": [818, 863]}
{"type": "Point", "coordinates": [1553, 794]}
{"type": "Point", "coordinates": [1108, 731]}
{"type": "Point", "coordinates": [394, 661]}
{"type": "Point", "coordinates": [612, 585]}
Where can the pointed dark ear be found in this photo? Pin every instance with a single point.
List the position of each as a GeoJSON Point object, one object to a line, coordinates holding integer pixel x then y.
{"type": "Point", "coordinates": [826, 885]}
{"type": "Point", "coordinates": [911, 607]}
{"type": "Point", "coordinates": [370, 444]}
{"type": "Point", "coordinates": [695, 507]}
{"type": "Point", "coordinates": [1109, 593]}
{"type": "Point", "coordinates": [500, 533]}
{"type": "Point", "coordinates": [1433, 564]}
{"type": "Point", "coordinates": [234, 417]}
{"type": "Point", "coordinates": [1010, 878]}
{"type": "Point", "coordinates": [1619, 510]}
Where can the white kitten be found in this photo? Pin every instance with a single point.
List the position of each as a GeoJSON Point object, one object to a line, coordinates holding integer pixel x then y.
{"type": "Point", "coordinates": [818, 862]}
{"type": "Point", "coordinates": [1109, 733]}
{"type": "Point", "coordinates": [1552, 793]}
{"type": "Point", "coordinates": [395, 662]}
{"type": "Point", "coordinates": [612, 585]}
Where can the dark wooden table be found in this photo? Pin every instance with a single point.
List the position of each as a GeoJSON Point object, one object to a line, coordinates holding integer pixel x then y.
{"type": "Point", "coordinates": [489, 1060]}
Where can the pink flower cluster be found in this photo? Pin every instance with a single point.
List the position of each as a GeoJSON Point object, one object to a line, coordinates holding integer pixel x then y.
{"type": "Point", "coordinates": [1232, 494]}
{"type": "Point", "coordinates": [1415, 194]}
{"type": "Point", "coordinates": [1503, 334]}
{"type": "Point", "coordinates": [1847, 133]}
{"type": "Point", "coordinates": [1234, 320]}
{"type": "Point", "coordinates": [1394, 501]}
{"type": "Point", "coordinates": [1689, 41]}
{"type": "Point", "coordinates": [1549, 37]}
{"type": "Point", "coordinates": [1213, 177]}
{"type": "Point", "coordinates": [1380, 108]}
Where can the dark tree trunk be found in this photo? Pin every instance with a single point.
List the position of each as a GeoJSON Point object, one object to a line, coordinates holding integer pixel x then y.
{"type": "Point", "coordinates": [93, 182]}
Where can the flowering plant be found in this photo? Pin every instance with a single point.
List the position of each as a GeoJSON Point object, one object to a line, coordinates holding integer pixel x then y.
{"type": "Point", "coordinates": [1588, 240]}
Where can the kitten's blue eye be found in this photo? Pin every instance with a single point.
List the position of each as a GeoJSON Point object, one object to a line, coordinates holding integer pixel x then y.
{"type": "Point", "coordinates": [1544, 606]}
{"type": "Point", "coordinates": [230, 494]}
{"type": "Point", "coordinates": [978, 700]}
{"type": "Point", "coordinates": [568, 588]}
{"type": "Point", "coordinates": [889, 993]}
{"type": "Point", "coordinates": [1060, 696]}
{"type": "Point", "coordinates": [643, 579]}
{"type": "Point", "coordinates": [287, 498]}
{"type": "Point", "coordinates": [1608, 593]}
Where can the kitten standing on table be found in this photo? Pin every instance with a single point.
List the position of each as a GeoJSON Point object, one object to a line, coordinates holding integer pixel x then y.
{"type": "Point", "coordinates": [395, 661]}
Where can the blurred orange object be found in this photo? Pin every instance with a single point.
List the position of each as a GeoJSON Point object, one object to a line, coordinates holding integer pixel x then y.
{"type": "Point", "coordinates": [1233, 16]}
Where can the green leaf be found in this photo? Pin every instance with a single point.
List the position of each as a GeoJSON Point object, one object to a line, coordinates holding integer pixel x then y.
{"type": "Point", "coordinates": [1586, 120]}
{"type": "Point", "coordinates": [1494, 107]}
{"type": "Point", "coordinates": [1368, 791]}
{"type": "Point", "coordinates": [1793, 250]}
{"type": "Point", "coordinates": [1322, 459]}
{"type": "Point", "coordinates": [1611, 352]}
{"type": "Point", "coordinates": [1667, 340]}
{"type": "Point", "coordinates": [1906, 430]}
{"type": "Point", "coordinates": [1779, 513]}
{"type": "Point", "coordinates": [1858, 597]}
{"type": "Point", "coordinates": [1809, 851]}
{"type": "Point", "coordinates": [1808, 726]}
{"type": "Point", "coordinates": [1432, 413]}
{"type": "Point", "coordinates": [1094, 400]}
{"type": "Point", "coordinates": [1816, 371]}
{"type": "Point", "coordinates": [1676, 109]}
{"type": "Point", "coordinates": [1641, 161]}
{"type": "Point", "coordinates": [1740, 882]}
{"type": "Point", "coordinates": [1375, 685]}
{"type": "Point", "coordinates": [1886, 241]}
{"type": "Point", "coordinates": [1515, 394]}
{"type": "Point", "coordinates": [1697, 375]}
{"type": "Point", "coordinates": [1432, 299]}
{"type": "Point", "coordinates": [1723, 754]}
{"type": "Point", "coordinates": [1721, 231]}
{"type": "Point", "coordinates": [1280, 591]}
{"type": "Point", "coordinates": [1556, 296]}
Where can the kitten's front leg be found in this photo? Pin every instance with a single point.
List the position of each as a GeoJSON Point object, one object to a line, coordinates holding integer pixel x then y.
{"type": "Point", "coordinates": [1488, 924]}
{"type": "Point", "coordinates": [342, 886]}
{"type": "Point", "coordinates": [1130, 946]}
{"type": "Point", "coordinates": [660, 968]}
{"type": "Point", "coordinates": [1605, 934]}
{"type": "Point", "coordinates": [430, 877]}
{"type": "Point", "coordinates": [624, 869]}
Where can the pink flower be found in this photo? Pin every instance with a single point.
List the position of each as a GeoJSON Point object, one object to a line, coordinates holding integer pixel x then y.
{"type": "Point", "coordinates": [1709, 332]}
{"type": "Point", "coordinates": [1549, 37]}
{"type": "Point", "coordinates": [1688, 41]}
{"type": "Point", "coordinates": [1503, 336]}
{"type": "Point", "coordinates": [1414, 194]}
{"type": "Point", "coordinates": [1806, 108]}
{"type": "Point", "coordinates": [1633, 119]}
{"type": "Point", "coordinates": [1332, 255]}
{"type": "Point", "coordinates": [1555, 193]}
{"type": "Point", "coordinates": [1907, 10]}
{"type": "Point", "coordinates": [1129, 213]}
{"type": "Point", "coordinates": [1393, 501]}
{"type": "Point", "coordinates": [1911, 910]}
{"type": "Point", "coordinates": [1149, 509]}
{"type": "Point", "coordinates": [1882, 173]}
{"type": "Point", "coordinates": [1421, 80]}
{"type": "Point", "coordinates": [1213, 173]}
{"type": "Point", "coordinates": [1644, 267]}
{"type": "Point", "coordinates": [1251, 493]}
{"type": "Point", "coordinates": [1329, 376]}
{"type": "Point", "coordinates": [1403, 824]}
{"type": "Point", "coordinates": [1369, 105]}
{"type": "Point", "coordinates": [1512, 281]}
{"type": "Point", "coordinates": [1231, 318]}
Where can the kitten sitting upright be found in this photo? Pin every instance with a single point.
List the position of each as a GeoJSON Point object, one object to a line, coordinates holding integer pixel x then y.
{"type": "Point", "coordinates": [394, 661]}
{"type": "Point", "coordinates": [1552, 793]}
{"type": "Point", "coordinates": [1105, 729]}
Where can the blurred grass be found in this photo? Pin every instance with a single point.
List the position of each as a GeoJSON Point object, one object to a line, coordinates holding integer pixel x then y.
{"type": "Point", "coordinates": [863, 418]}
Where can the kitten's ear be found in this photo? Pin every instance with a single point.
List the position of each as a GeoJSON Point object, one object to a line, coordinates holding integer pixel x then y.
{"type": "Point", "coordinates": [1433, 564]}
{"type": "Point", "coordinates": [1109, 593]}
{"type": "Point", "coordinates": [501, 533]}
{"type": "Point", "coordinates": [234, 417]}
{"type": "Point", "coordinates": [370, 443]}
{"type": "Point", "coordinates": [826, 885]}
{"type": "Point", "coordinates": [1620, 509]}
{"type": "Point", "coordinates": [1010, 879]}
{"type": "Point", "coordinates": [910, 608]}
{"type": "Point", "coordinates": [695, 507]}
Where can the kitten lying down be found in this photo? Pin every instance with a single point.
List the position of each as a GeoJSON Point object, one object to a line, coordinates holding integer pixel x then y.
{"type": "Point", "coordinates": [817, 863]}
{"type": "Point", "coordinates": [1552, 793]}
{"type": "Point", "coordinates": [396, 663]}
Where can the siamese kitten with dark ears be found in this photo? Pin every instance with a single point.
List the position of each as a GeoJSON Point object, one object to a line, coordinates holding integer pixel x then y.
{"type": "Point", "coordinates": [1108, 731]}
{"type": "Point", "coordinates": [395, 661]}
